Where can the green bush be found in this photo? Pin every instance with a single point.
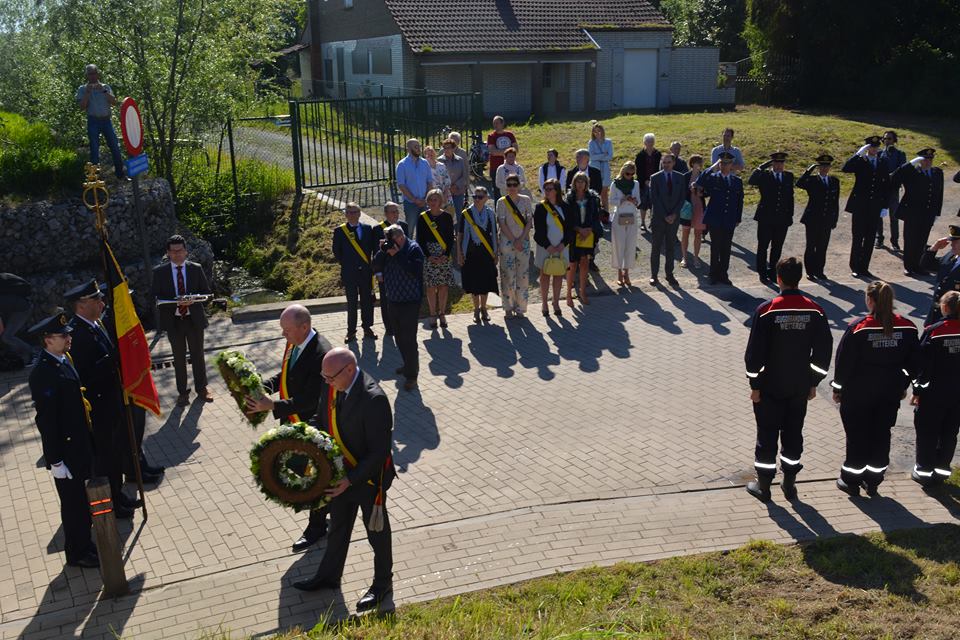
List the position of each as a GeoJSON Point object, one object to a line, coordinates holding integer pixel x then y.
{"type": "Point", "coordinates": [32, 163]}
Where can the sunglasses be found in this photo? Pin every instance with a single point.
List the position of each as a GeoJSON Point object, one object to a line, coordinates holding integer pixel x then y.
{"type": "Point", "coordinates": [548, 189]}
{"type": "Point", "coordinates": [480, 197]}
{"type": "Point", "coordinates": [513, 184]}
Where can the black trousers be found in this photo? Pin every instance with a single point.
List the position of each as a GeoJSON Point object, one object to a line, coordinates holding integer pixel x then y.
{"type": "Point", "coordinates": [664, 239]}
{"type": "Point", "coordinates": [111, 443]}
{"type": "Point", "coordinates": [770, 236]}
{"type": "Point", "coordinates": [343, 514]}
{"type": "Point", "coordinates": [916, 231]}
{"type": "Point", "coordinates": [864, 233]}
{"type": "Point", "coordinates": [937, 421]}
{"type": "Point", "coordinates": [721, 240]}
{"type": "Point", "coordinates": [404, 316]}
{"type": "Point", "coordinates": [893, 205]}
{"type": "Point", "coordinates": [779, 419]}
{"type": "Point", "coordinates": [388, 327]}
{"type": "Point", "coordinates": [359, 290]}
{"type": "Point", "coordinates": [185, 334]}
{"type": "Point", "coordinates": [75, 517]}
{"type": "Point", "coordinates": [139, 416]}
{"type": "Point", "coordinates": [815, 255]}
{"type": "Point", "coordinates": [867, 424]}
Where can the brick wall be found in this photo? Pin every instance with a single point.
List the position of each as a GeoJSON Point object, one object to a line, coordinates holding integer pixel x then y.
{"type": "Point", "coordinates": [507, 89]}
{"type": "Point", "coordinates": [610, 64]}
{"type": "Point", "coordinates": [693, 77]}
{"type": "Point", "coordinates": [449, 78]}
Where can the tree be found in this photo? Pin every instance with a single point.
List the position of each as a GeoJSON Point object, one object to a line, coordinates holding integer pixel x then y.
{"type": "Point", "coordinates": [716, 23]}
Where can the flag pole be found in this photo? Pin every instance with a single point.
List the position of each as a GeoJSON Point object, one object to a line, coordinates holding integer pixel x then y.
{"type": "Point", "coordinates": [93, 188]}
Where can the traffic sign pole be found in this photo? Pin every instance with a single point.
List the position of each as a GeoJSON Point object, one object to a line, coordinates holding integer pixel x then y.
{"type": "Point", "coordinates": [131, 126]}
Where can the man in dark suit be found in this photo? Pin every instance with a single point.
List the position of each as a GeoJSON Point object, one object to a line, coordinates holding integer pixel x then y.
{"type": "Point", "coordinates": [724, 191]}
{"type": "Point", "coordinates": [65, 435]}
{"type": "Point", "coordinates": [821, 214]}
{"type": "Point", "coordinates": [921, 204]}
{"type": "Point", "coordinates": [95, 359]}
{"type": "Point", "coordinates": [947, 268]}
{"type": "Point", "coordinates": [668, 192]}
{"type": "Point", "coordinates": [353, 246]}
{"type": "Point", "coordinates": [893, 159]}
{"type": "Point", "coordinates": [868, 197]}
{"type": "Point", "coordinates": [582, 165]}
{"type": "Point", "coordinates": [184, 323]}
{"type": "Point", "coordinates": [774, 213]}
{"type": "Point", "coordinates": [391, 216]}
{"type": "Point", "coordinates": [300, 384]}
{"type": "Point", "coordinates": [362, 424]}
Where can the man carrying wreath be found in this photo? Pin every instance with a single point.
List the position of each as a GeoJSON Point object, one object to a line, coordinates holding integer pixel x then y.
{"type": "Point", "coordinates": [300, 384]}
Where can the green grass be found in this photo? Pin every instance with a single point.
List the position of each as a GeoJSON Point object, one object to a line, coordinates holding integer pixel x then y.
{"type": "Point", "coordinates": [902, 584]}
{"type": "Point", "coordinates": [33, 162]}
{"type": "Point", "coordinates": [759, 131]}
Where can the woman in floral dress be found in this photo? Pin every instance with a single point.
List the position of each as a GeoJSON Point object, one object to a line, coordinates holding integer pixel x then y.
{"type": "Point", "coordinates": [435, 234]}
{"type": "Point", "coordinates": [514, 219]}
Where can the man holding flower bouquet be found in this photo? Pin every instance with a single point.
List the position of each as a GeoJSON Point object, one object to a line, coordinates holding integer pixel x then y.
{"type": "Point", "coordinates": [299, 384]}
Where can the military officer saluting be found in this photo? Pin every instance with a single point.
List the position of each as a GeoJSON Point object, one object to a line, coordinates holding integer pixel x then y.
{"type": "Point", "coordinates": [64, 425]}
{"type": "Point", "coordinates": [821, 214]}
{"type": "Point", "coordinates": [774, 213]}
{"type": "Point", "coordinates": [867, 199]}
{"type": "Point", "coordinates": [724, 212]}
{"type": "Point", "coordinates": [947, 269]}
{"type": "Point", "coordinates": [921, 204]}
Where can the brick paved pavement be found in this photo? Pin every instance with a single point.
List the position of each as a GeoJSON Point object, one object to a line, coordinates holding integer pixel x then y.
{"type": "Point", "coordinates": [629, 434]}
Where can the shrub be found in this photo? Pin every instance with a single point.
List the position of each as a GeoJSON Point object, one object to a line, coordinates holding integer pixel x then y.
{"type": "Point", "coordinates": [32, 162]}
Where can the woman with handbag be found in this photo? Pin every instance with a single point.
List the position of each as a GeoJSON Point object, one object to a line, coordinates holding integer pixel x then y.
{"type": "Point", "coordinates": [435, 233]}
{"type": "Point", "coordinates": [691, 216]}
{"type": "Point", "coordinates": [553, 234]}
{"type": "Point", "coordinates": [624, 198]}
{"type": "Point", "coordinates": [583, 205]}
{"type": "Point", "coordinates": [477, 252]}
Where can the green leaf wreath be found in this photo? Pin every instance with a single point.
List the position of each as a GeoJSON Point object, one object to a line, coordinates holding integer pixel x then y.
{"type": "Point", "coordinates": [242, 380]}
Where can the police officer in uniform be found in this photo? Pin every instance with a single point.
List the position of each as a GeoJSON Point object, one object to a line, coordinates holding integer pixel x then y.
{"type": "Point", "coordinates": [875, 361]}
{"type": "Point", "coordinates": [921, 204]}
{"type": "Point", "coordinates": [821, 214]}
{"type": "Point", "coordinates": [947, 269]}
{"type": "Point", "coordinates": [787, 356]}
{"type": "Point", "coordinates": [64, 426]}
{"type": "Point", "coordinates": [95, 359]}
{"type": "Point", "coordinates": [723, 214]}
{"type": "Point", "coordinates": [937, 414]}
{"type": "Point", "coordinates": [867, 199]}
{"type": "Point", "coordinates": [774, 213]}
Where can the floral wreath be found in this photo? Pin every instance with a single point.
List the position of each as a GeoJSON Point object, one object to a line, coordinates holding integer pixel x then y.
{"type": "Point", "coordinates": [242, 380]}
{"type": "Point", "coordinates": [294, 464]}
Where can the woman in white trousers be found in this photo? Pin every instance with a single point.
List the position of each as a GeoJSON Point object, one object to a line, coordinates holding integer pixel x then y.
{"type": "Point", "coordinates": [624, 198]}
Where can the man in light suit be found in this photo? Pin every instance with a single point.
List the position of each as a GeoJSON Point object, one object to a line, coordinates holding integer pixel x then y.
{"type": "Point", "coordinates": [184, 323]}
{"type": "Point", "coordinates": [668, 190]}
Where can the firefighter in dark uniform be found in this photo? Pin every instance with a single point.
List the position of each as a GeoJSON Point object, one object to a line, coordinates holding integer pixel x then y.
{"type": "Point", "coordinates": [95, 359]}
{"type": "Point", "coordinates": [921, 204]}
{"type": "Point", "coordinates": [937, 414]}
{"type": "Point", "coordinates": [947, 269]}
{"type": "Point", "coordinates": [876, 359]}
{"type": "Point", "coordinates": [787, 356]}
{"type": "Point", "coordinates": [821, 214]}
{"type": "Point", "coordinates": [867, 199]}
{"type": "Point", "coordinates": [723, 213]}
{"type": "Point", "coordinates": [64, 425]}
{"type": "Point", "coordinates": [774, 213]}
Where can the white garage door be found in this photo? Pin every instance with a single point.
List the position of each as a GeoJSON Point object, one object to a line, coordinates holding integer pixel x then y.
{"type": "Point", "coordinates": [640, 78]}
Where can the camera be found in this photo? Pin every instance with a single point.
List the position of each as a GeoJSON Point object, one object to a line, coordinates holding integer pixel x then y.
{"type": "Point", "coordinates": [389, 243]}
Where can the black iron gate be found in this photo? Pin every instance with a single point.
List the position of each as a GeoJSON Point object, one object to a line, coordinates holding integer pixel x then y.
{"type": "Point", "coordinates": [357, 141]}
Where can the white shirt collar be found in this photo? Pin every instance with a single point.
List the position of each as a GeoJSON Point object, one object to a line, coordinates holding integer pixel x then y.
{"type": "Point", "coordinates": [309, 337]}
{"type": "Point", "coordinates": [356, 374]}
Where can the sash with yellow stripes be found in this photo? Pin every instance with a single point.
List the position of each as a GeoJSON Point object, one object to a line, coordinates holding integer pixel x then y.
{"type": "Point", "coordinates": [553, 212]}
{"type": "Point", "coordinates": [352, 237]}
{"type": "Point", "coordinates": [516, 212]}
{"type": "Point", "coordinates": [434, 229]}
{"type": "Point", "coordinates": [479, 232]}
{"type": "Point", "coordinates": [284, 394]}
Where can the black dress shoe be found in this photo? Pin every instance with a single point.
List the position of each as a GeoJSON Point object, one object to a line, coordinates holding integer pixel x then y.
{"type": "Point", "coordinates": [368, 334]}
{"type": "Point", "coordinates": [350, 337]}
{"type": "Point", "coordinates": [726, 281]}
{"type": "Point", "coordinates": [128, 502]}
{"type": "Point", "coordinates": [146, 467]}
{"type": "Point", "coordinates": [309, 538]}
{"type": "Point", "coordinates": [121, 512]}
{"type": "Point", "coordinates": [373, 597]}
{"type": "Point", "coordinates": [895, 244]}
{"type": "Point", "coordinates": [672, 281]}
{"type": "Point", "coordinates": [89, 561]}
{"type": "Point", "coordinates": [316, 583]}
{"type": "Point", "coordinates": [654, 282]}
{"type": "Point", "coordinates": [852, 490]}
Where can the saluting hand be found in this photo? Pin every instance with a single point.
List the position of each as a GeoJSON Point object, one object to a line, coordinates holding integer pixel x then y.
{"type": "Point", "coordinates": [940, 244]}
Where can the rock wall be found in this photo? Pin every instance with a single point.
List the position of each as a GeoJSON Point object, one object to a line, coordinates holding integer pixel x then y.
{"type": "Point", "coordinates": [55, 245]}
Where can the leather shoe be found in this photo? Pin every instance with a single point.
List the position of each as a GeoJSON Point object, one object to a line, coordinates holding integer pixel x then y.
{"type": "Point", "coordinates": [183, 399]}
{"type": "Point", "coordinates": [205, 395]}
{"type": "Point", "coordinates": [146, 467]}
{"type": "Point", "coordinates": [410, 384]}
{"type": "Point", "coordinates": [350, 337]}
{"type": "Point", "coordinates": [369, 334]}
{"type": "Point", "coordinates": [128, 502]}
{"type": "Point", "coordinates": [121, 512]}
{"type": "Point", "coordinates": [316, 583]}
{"type": "Point", "coordinates": [654, 282]}
{"type": "Point", "coordinates": [89, 561]}
{"type": "Point", "coordinates": [852, 490]}
{"type": "Point", "coordinates": [309, 538]}
{"type": "Point", "coordinates": [373, 597]}
{"type": "Point", "coordinates": [672, 281]}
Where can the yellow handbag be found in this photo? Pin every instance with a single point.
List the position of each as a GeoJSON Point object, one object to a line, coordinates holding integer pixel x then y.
{"type": "Point", "coordinates": [553, 265]}
{"type": "Point", "coordinates": [585, 243]}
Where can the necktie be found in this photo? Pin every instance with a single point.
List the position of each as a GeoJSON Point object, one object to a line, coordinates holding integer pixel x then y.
{"type": "Point", "coordinates": [927, 172]}
{"type": "Point", "coordinates": [103, 332]}
{"type": "Point", "coordinates": [873, 162]}
{"type": "Point", "coordinates": [356, 230]}
{"type": "Point", "coordinates": [779, 178]}
{"type": "Point", "coordinates": [727, 178]}
{"type": "Point", "coordinates": [183, 309]}
{"type": "Point", "coordinates": [826, 182]}
{"type": "Point", "coordinates": [294, 353]}
{"type": "Point", "coordinates": [669, 185]}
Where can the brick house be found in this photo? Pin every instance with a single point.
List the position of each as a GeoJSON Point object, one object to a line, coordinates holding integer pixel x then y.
{"type": "Point", "coordinates": [524, 56]}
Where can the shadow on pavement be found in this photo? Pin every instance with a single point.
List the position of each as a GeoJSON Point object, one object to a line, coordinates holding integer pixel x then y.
{"type": "Point", "coordinates": [446, 359]}
{"type": "Point", "coordinates": [175, 440]}
{"type": "Point", "coordinates": [699, 312]}
{"type": "Point", "coordinates": [305, 609]}
{"type": "Point", "coordinates": [414, 429]}
{"type": "Point", "coordinates": [490, 345]}
{"type": "Point", "coordinates": [532, 348]}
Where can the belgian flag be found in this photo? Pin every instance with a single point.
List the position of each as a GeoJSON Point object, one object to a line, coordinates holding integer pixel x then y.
{"type": "Point", "coordinates": [138, 386]}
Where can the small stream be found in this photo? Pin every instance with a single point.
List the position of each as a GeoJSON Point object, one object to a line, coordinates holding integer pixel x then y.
{"type": "Point", "coordinates": [242, 288]}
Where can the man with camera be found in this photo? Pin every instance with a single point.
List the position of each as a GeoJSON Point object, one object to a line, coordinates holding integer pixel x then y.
{"type": "Point", "coordinates": [97, 99]}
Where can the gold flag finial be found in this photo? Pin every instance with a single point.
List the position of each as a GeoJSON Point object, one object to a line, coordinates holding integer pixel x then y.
{"type": "Point", "coordinates": [95, 195]}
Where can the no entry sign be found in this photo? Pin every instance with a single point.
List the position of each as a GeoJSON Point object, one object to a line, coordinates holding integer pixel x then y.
{"type": "Point", "coordinates": [131, 126]}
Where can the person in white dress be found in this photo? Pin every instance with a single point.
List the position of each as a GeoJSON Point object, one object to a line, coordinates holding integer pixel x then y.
{"type": "Point", "coordinates": [624, 198]}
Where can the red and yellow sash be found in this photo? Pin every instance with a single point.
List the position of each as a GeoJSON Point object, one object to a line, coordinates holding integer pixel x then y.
{"type": "Point", "coordinates": [284, 394]}
{"type": "Point", "coordinates": [349, 459]}
{"type": "Point", "coordinates": [352, 237]}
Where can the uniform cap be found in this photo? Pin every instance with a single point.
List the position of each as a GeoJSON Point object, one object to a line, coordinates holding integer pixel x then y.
{"type": "Point", "coordinates": [873, 141]}
{"type": "Point", "coordinates": [779, 156]}
{"type": "Point", "coordinates": [726, 156]}
{"type": "Point", "coordinates": [824, 158]}
{"type": "Point", "coordinates": [927, 153]}
{"type": "Point", "coordinates": [85, 291]}
{"type": "Point", "coordinates": [955, 232]}
{"type": "Point", "coordinates": [55, 324]}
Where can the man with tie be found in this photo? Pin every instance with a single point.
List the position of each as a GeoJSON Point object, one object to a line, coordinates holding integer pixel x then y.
{"type": "Point", "coordinates": [64, 426]}
{"type": "Point", "coordinates": [893, 158]}
{"type": "Point", "coordinates": [774, 214]}
{"type": "Point", "coordinates": [353, 246]}
{"type": "Point", "coordinates": [300, 385]}
{"type": "Point", "coordinates": [921, 204]}
{"type": "Point", "coordinates": [95, 359]}
{"type": "Point", "coordinates": [357, 414]}
{"type": "Point", "coordinates": [668, 192]}
{"type": "Point", "coordinates": [869, 196]}
{"type": "Point", "coordinates": [723, 214]}
{"type": "Point", "coordinates": [821, 214]}
{"type": "Point", "coordinates": [184, 323]}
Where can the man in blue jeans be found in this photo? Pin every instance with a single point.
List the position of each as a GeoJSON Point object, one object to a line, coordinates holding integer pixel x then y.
{"type": "Point", "coordinates": [97, 99]}
{"type": "Point", "coordinates": [414, 179]}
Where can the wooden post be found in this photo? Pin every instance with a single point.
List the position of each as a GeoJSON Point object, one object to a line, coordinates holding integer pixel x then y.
{"type": "Point", "coordinates": [107, 537]}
